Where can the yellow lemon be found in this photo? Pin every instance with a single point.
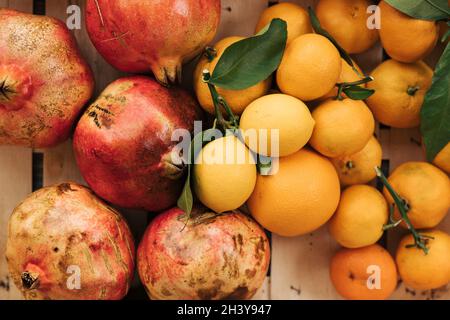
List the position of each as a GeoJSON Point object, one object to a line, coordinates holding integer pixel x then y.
{"type": "Point", "coordinates": [358, 168]}
{"type": "Point", "coordinates": [296, 17]}
{"type": "Point", "coordinates": [360, 217]}
{"type": "Point", "coordinates": [310, 67]}
{"type": "Point", "coordinates": [224, 174]}
{"type": "Point", "coordinates": [289, 116]}
{"type": "Point", "coordinates": [299, 198]}
{"type": "Point", "coordinates": [238, 100]}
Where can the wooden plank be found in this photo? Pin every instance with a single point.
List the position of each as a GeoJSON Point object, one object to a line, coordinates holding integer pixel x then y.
{"type": "Point", "coordinates": [15, 182]}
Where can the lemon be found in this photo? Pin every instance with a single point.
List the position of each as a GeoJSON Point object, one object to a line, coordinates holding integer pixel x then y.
{"type": "Point", "coordinates": [224, 174]}
{"type": "Point", "coordinates": [288, 115]}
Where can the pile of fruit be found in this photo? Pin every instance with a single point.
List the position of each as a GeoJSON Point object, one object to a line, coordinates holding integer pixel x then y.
{"type": "Point", "coordinates": [289, 147]}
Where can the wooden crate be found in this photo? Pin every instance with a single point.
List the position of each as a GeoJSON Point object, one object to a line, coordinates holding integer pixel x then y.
{"type": "Point", "coordinates": [299, 268]}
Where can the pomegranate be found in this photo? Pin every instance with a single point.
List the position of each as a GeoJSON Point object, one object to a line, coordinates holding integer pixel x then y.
{"type": "Point", "coordinates": [141, 35]}
{"type": "Point", "coordinates": [123, 143]}
{"type": "Point", "coordinates": [65, 243]}
{"type": "Point", "coordinates": [44, 82]}
{"type": "Point", "coordinates": [213, 256]}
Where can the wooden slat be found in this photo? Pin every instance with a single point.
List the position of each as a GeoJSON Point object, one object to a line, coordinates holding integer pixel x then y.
{"type": "Point", "coordinates": [15, 181]}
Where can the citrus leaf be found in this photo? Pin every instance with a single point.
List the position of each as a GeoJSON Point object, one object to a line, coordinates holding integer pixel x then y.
{"type": "Point", "coordinates": [435, 113]}
{"type": "Point", "coordinates": [251, 60]}
{"type": "Point", "coordinates": [422, 9]}
{"type": "Point", "coordinates": [186, 200]}
{"type": "Point", "coordinates": [358, 93]}
{"type": "Point", "coordinates": [319, 30]}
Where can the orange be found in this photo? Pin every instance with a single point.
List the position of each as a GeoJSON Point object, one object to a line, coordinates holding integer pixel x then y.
{"type": "Point", "coordinates": [310, 67]}
{"type": "Point", "coordinates": [296, 17]}
{"type": "Point", "coordinates": [343, 127]}
{"type": "Point", "coordinates": [238, 100]}
{"type": "Point", "coordinates": [358, 168]}
{"type": "Point", "coordinates": [422, 271]}
{"type": "Point", "coordinates": [299, 198]}
{"type": "Point", "coordinates": [347, 75]}
{"type": "Point", "coordinates": [360, 217]}
{"type": "Point", "coordinates": [426, 190]}
{"type": "Point", "coordinates": [346, 21]}
{"type": "Point", "coordinates": [404, 38]}
{"type": "Point", "coordinates": [400, 89]}
{"type": "Point", "coordinates": [367, 273]}
{"type": "Point", "coordinates": [442, 159]}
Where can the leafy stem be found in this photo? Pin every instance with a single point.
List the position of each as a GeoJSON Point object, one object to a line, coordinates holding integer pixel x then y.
{"type": "Point", "coordinates": [403, 207]}
{"type": "Point", "coordinates": [219, 103]}
{"type": "Point", "coordinates": [353, 89]}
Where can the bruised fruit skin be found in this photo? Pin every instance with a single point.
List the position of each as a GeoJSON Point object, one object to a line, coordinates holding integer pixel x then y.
{"type": "Point", "coordinates": [213, 256]}
{"type": "Point", "coordinates": [138, 36]}
{"type": "Point", "coordinates": [63, 231]}
{"type": "Point", "coordinates": [123, 143]}
{"type": "Point", "coordinates": [44, 82]}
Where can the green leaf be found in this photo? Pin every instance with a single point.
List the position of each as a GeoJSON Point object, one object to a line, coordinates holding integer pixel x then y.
{"type": "Point", "coordinates": [252, 60]}
{"type": "Point", "coordinates": [358, 93]}
{"type": "Point", "coordinates": [422, 9]}
{"type": "Point", "coordinates": [319, 30]}
{"type": "Point", "coordinates": [435, 113]}
{"type": "Point", "coordinates": [186, 200]}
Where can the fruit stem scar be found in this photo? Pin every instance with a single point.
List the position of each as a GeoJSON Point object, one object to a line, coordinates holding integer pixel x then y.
{"type": "Point", "coordinates": [412, 90]}
{"type": "Point", "coordinates": [349, 165]}
{"type": "Point", "coordinates": [210, 53]}
{"type": "Point", "coordinates": [30, 281]}
{"type": "Point", "coordinates": [5, 90]}
{"type": "Point", "coordinates": [420, 241]}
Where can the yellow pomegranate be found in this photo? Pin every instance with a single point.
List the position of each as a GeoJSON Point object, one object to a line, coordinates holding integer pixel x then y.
{"type": "Point", "coordinates": [404, 38]}
{"type": "Point", "coordinates": [343, 127]}
{"type": "Point", "coordinates": [310, 67]}
{"type": "Point", "coordinates": [360, 217]}
{"type": "Point", "coordinates": [238, 100]}
{"type": "Point", "coordinates": [346, 21]}
{"type": "Point", "coordinates": [296, 17]}
{"type": "Point", "coordinates": [286, 114]}
{"type": "Point", "coordinates": [422, 271]}
{"type": "Point", "coordinates": [358, 168]}
{"type": "Point", "coordinates": [301, 197]}
{"type": "Point", "coordinates": [425, 189]}
{"type": "Point", "coordinates": [224, 174]}
{"type": "Point", "coordinates": [400, 89]}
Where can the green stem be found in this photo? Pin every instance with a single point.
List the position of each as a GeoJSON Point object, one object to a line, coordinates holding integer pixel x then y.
{"type": "Point", "coordinates": [403, 208]}
{"type": "Point", "coordinates": [210, 53]}
{"type": "Point", "coordinates": [412, 90]}
{"type": "Point", "coordinates": [219, 102]}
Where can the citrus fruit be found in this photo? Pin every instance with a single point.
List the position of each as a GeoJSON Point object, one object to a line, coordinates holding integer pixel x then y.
{"type": "Point", "coordinates": [289, 115]}
{"type": "Point", "coordinates": [296, 17]}
{"type": "Point", "coordinates": [399, 92]}
{"type": "Point", "coordinates": [360, 217]}
{"type": "Point", "coordinates": [404, 38]}
{"type": "Point", "coordinates": [422, 271]}
{"type": "Point", "coordinates": [224, 174]}
{"type": "Point", "coordinates": [367, 273]}
{"type": "Point", "coordinates": [442, 159]}
{"type": "Point", "coordinates": [310, 67]}
{"type": "Point", "coordinates": [238, 100]}
{"type": "Point", "coordinates": [346, 21]}
{"type": "Point", "coordinates": [343, 127]}
{"type": "Point", "coordinates": [425, 189]}
{"type": "Point", "coordinates": [299, 198]}
{"type": "Point", "coordinates": [358, 168]}
{"type": "Point", "coordinates": [347, 75]}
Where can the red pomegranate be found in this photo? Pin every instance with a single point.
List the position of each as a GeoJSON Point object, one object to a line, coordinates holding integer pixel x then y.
{"type": "Point", "coordinates": [141, 35]}
{"type": "Point", "coordinates": [211, 256]}
{"type": "Point", "coordinates": [44, 82]}
{"type": "Point", "coordinates": [123, 143]}
{"type": "Point", "coordinates": [66, 244]}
